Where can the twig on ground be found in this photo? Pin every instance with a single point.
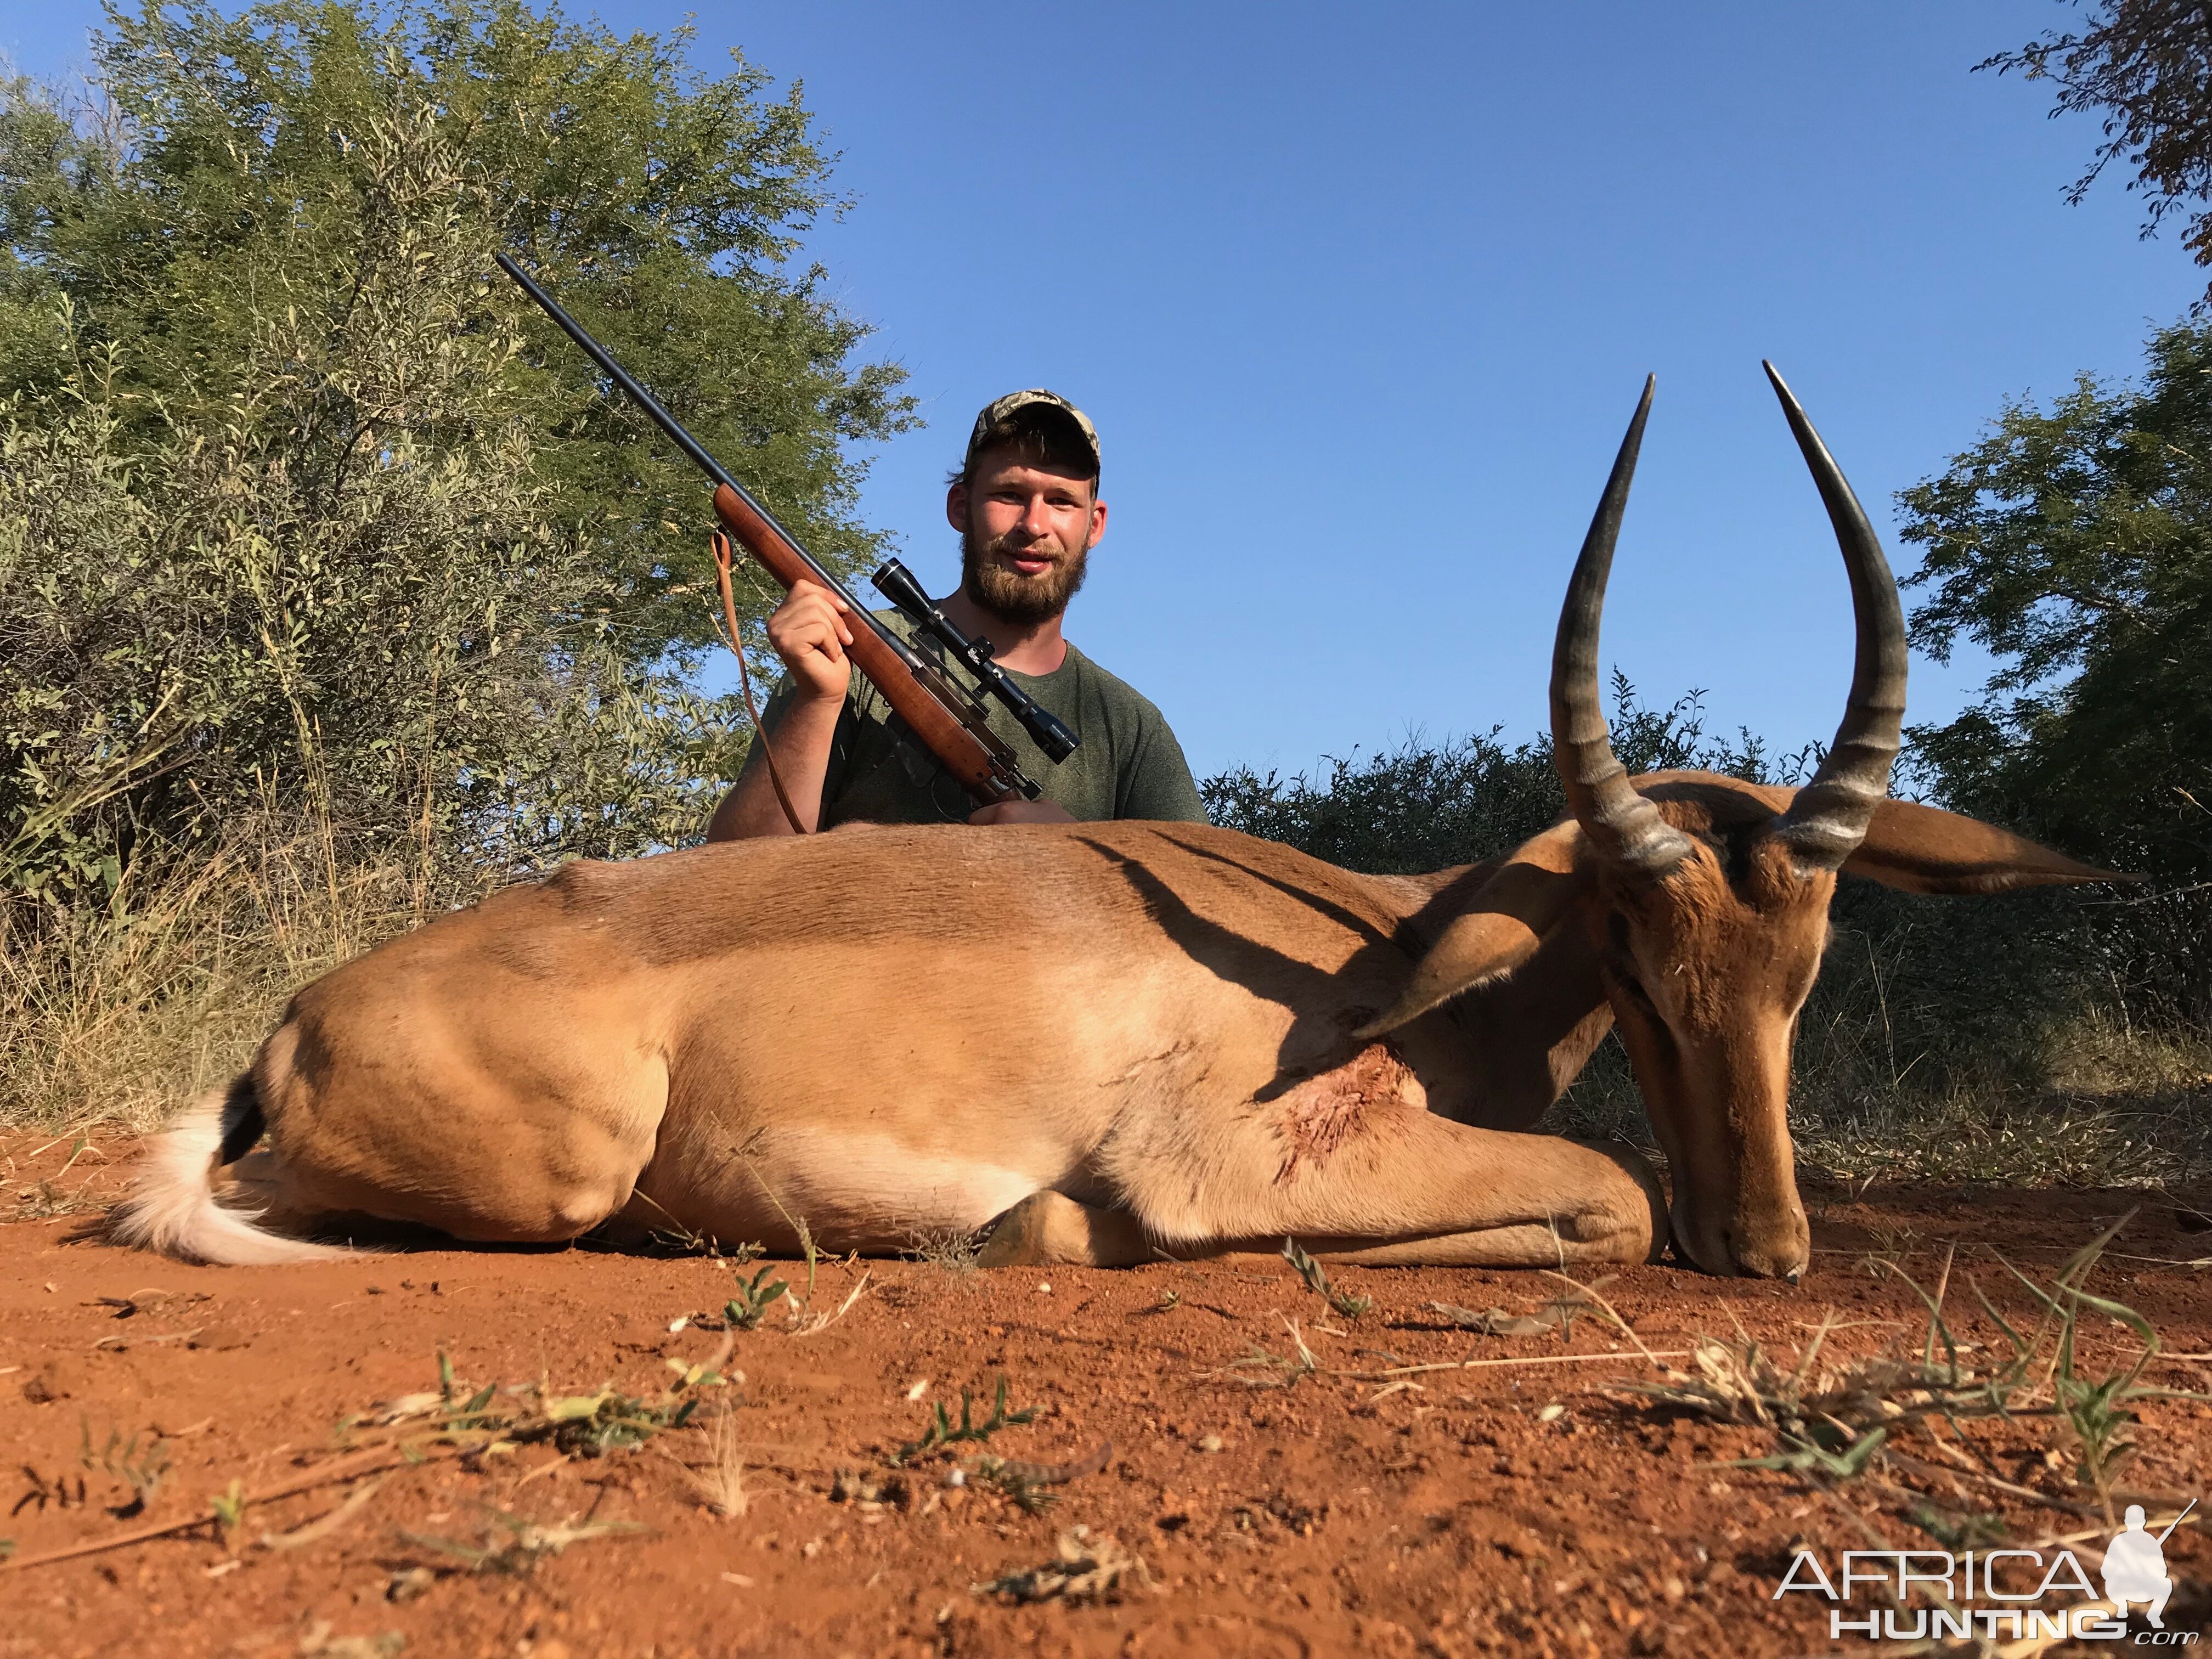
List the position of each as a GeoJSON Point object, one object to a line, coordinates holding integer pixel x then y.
{"type": "Point", "coordinates": [323, 1526]}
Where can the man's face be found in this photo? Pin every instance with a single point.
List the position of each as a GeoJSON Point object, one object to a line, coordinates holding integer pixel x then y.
{"type": "Point", "coordinates": [1024, 531]}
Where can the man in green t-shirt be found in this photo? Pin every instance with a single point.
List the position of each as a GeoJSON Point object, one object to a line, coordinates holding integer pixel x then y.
{"type": "Point", "coordinates": [1025, 503]}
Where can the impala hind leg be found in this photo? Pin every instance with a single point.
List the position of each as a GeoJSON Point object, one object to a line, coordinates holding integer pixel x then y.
{"type": "Point", "coordinates": [1394, 1184]}
{"type": "Point", "coordinates": [508, 1136]}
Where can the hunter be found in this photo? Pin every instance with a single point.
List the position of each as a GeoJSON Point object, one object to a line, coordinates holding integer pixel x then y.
{"type": "Point", "coordinates": [1025, 502]}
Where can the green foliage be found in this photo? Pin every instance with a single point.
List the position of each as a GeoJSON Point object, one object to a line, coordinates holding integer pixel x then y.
{"type": "Point", "coordinates": [942, 1433]}
{"type": "Point", "coordinates": [1420, 808]}
{"type": "Point", "coordinates": [2075, 544]}
{"type": "Point", "coordinates": [192, 635]}
{"type": "Point", "coordinates": [1349, 1303]}
{"type": "Point", "coordinates": [746, 1311]}
{"type": "Point", "coordinates": [306, 518]}
{"type": "Point", "coordinates": [239, 175]}
{"type": "Point", "coordinates": [2144, 67]}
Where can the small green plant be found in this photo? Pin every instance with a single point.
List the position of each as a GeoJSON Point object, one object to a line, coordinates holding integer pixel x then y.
{"type": "Point", "coordinates": [1347, 1304]}
{"type": "Point", "coordinates": [1975, 1530]}
{"type": "Point", "coordinates": [1841, 1421]}
{"type": "Point", "coordinates": [229, 1507]}
{"type": "Point", "coordinates": [1262, 1369]}
{"type": "Point", "coordinates": [744, 1311]}
{"type": "Point", "coordinates": [807, 1248]}
{"type": "Point", "coordinates": [942, 1433]}
{"type": "Point", "coordinates": [2098, 1410]}
{"type": "Point", "coordinates": [493, 1418]}
{"type": "Point", "coordinates": [1838, 1460]}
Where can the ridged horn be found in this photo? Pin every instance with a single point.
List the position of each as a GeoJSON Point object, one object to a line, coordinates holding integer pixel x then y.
{"type": "Point", "coordinates": [1622, 826]}
{"type": "Point", "coordinates": [1829, 817]}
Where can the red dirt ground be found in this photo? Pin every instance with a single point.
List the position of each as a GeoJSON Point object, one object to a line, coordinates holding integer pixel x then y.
{"type": "Point", "coordinates": [1463, 1515]}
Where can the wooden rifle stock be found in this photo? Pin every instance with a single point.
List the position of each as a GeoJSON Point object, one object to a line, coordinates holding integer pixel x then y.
{"type": "Point", "coordinates": [979, 761]}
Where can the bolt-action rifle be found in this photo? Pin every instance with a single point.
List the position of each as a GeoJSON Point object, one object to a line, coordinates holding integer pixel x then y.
{"type": "Point", "coordinates": [944, 716]}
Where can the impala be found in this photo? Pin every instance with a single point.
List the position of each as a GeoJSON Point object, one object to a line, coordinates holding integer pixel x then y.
{"type": "Point", "coordinates": [1103, 1041]}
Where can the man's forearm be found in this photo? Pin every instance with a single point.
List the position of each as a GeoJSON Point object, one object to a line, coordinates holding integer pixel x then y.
{"type": "Point", "coordinates": [802, 740]}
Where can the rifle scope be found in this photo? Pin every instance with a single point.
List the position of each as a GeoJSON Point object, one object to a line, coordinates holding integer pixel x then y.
{"type": "Point", "coordinates": [897, 583]}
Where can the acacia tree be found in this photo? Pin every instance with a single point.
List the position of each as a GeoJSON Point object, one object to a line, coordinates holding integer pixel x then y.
{"type": "Point", "coordinates": [228, 180]}
{"type": "Point", "coordinates": [2075, 544]}
{"type": "Point", "coordinates": [2144, 68]}
{"type": "Point", "coordinates": [302, 500]}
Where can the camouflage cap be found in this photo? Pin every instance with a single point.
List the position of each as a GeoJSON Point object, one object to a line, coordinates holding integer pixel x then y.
{"type": "Point", "coordinates": [999, 413]}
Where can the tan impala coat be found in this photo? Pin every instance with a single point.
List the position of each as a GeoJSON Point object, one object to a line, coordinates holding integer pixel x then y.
{"type": "Point", "coordinates": [1100, 1041]}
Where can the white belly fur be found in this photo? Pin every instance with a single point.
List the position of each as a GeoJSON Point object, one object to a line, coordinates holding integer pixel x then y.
{"type": "Point", "coordinates": [852, 1191]}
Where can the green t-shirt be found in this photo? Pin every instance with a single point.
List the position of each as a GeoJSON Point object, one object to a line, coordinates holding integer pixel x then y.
{"type": "Point", "coordinates": [1127, 763]}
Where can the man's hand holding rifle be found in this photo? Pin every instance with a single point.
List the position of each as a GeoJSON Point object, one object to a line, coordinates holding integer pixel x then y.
{"type": "Point", "coordinates": [906, 741]}
{"type": "Point", "coordinates": [810, 630]}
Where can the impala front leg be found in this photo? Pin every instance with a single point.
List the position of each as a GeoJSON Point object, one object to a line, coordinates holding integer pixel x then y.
{"type": "Point", "coordinates": [1381, 1180]}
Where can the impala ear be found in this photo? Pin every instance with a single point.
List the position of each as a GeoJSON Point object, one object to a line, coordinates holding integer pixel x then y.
{"type": "Point", "coordinates": [1923, 849]}
{"type": "Point", "coordinates": [1498, 932]}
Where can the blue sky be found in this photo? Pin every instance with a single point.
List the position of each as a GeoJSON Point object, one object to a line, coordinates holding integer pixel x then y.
{"type": "Point", "coordinates": [1361, 299]}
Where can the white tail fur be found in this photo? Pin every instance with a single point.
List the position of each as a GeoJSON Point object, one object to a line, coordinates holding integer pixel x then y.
{"type": "Point", "coordinates": [172, 1207]}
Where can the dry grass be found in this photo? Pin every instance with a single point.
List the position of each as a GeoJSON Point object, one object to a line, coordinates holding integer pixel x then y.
{"type": "Point", "coordinates": [2153, 1139]}
{"type": "Point", "coordinates": [1082, 1568]}
{"type": "Point", "coordinates": [2115, 1108]}
{"type": "Point", "coordinates": [114, 1015]}
{"type": "Point", "coordinates": [956, 1252]}
{"type": "Point", "coordinates": [719, 1484]}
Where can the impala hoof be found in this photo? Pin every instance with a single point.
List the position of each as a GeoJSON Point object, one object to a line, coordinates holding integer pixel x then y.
{"type": "Point", "coordinates": [1050, 1230]}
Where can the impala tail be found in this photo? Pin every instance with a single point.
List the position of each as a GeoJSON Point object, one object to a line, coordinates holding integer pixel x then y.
{"type": "Point", "coordinates": [173, 1207]}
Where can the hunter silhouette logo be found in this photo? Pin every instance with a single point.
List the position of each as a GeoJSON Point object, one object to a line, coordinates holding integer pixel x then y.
{"type": "Point", "coordinates": [2135, 1565]}
{"type": "Point", "coordinates": [2016, 1593]}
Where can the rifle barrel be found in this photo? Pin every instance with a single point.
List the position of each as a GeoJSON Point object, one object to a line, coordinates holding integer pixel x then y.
{"type": "Point", "coordinates": [661, 418]}
{"type": "Point", "coordinates": [977, 757]}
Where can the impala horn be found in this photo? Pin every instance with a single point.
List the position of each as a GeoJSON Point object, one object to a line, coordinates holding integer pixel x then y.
{"type": "Point", "coordinates": [1828, 819]}
{"type": "Point", "coordinates": [1625, 828]}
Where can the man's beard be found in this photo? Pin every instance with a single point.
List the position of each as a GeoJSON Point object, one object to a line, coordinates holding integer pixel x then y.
{"type": "Point", "coordinates": [1010, 596]}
